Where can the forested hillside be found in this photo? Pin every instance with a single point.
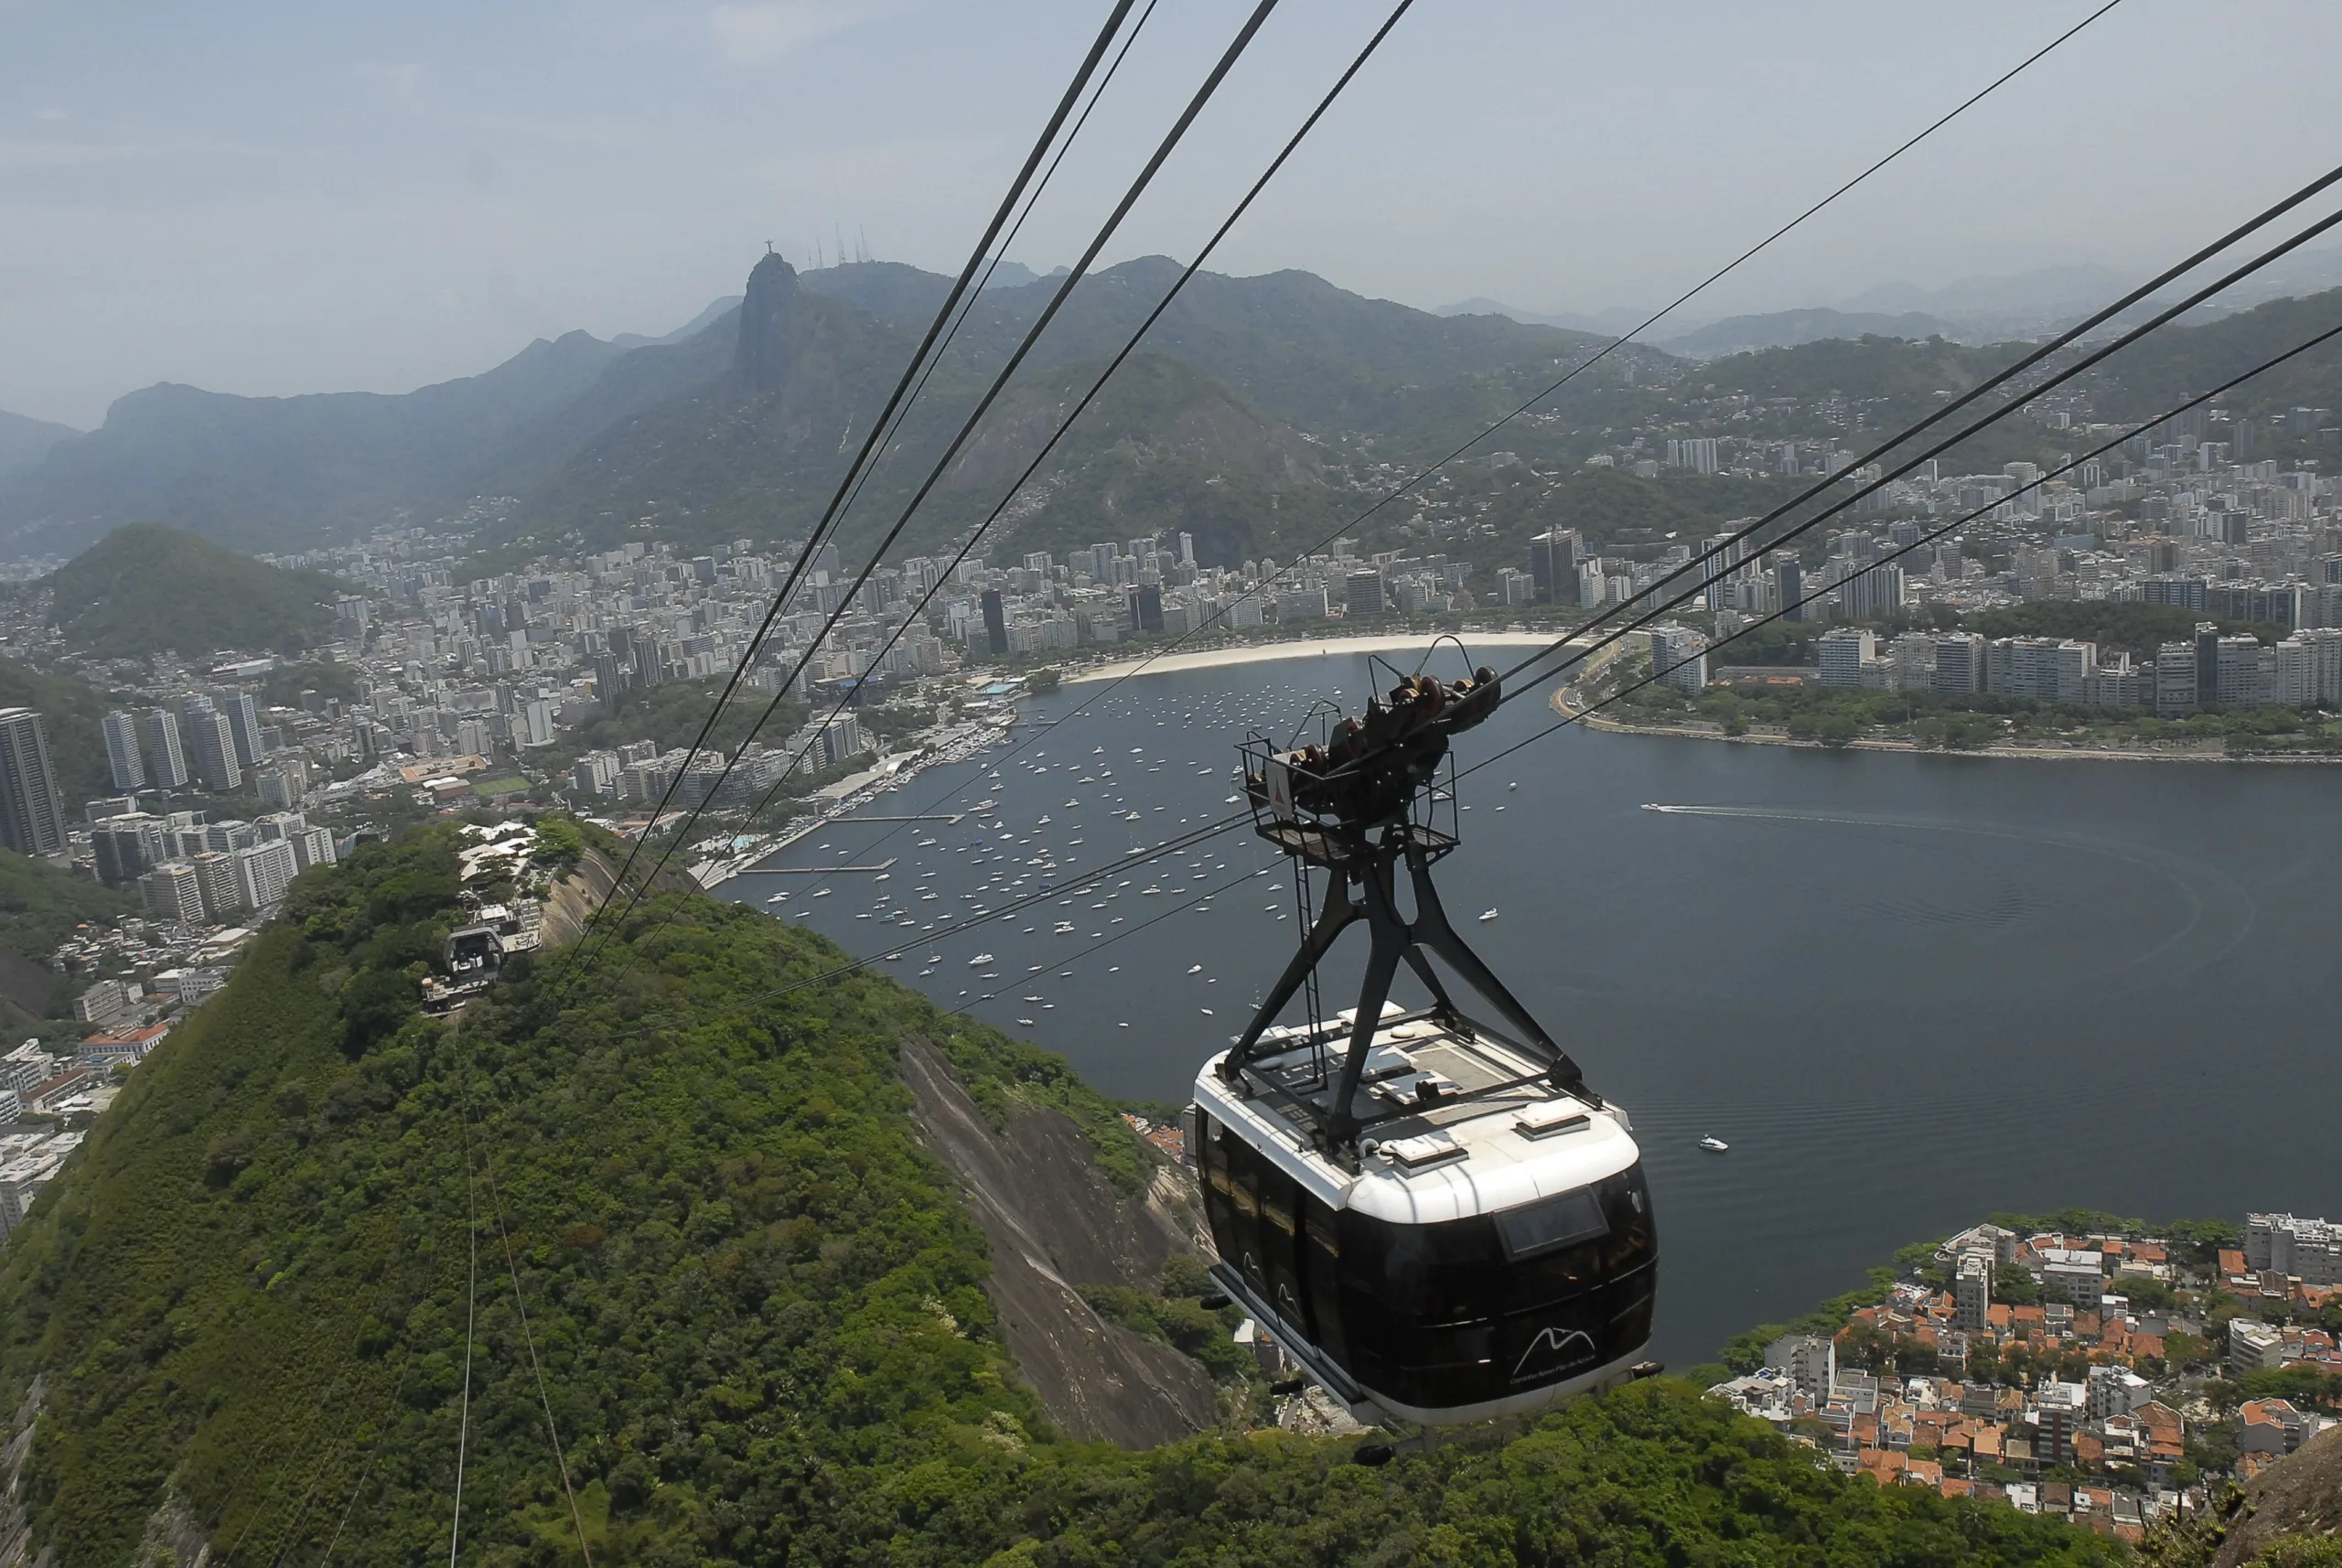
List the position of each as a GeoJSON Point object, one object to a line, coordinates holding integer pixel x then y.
{"type": "Point", "coordinates": [147, 589]}
{"type": "Point", "coordinates": [685, 1221]}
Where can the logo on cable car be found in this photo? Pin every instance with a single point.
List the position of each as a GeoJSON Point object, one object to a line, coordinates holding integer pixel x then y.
{"type": "Point", "coordinates": [1554, 1352]}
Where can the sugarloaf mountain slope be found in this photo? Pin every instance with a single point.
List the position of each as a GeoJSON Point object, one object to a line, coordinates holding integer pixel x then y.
{"type": "Point", "coordinates": [722, 1299]}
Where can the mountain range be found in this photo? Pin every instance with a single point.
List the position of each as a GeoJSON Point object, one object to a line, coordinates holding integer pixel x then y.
{"type": "Point", "coordinates": [1980, 309]}
{"type": "Point", "coordinates": [25, 442]}
{"type": "Point", "coordinates": [692, 435]}
{"type": "Point", "coordinates": [1252, 416]}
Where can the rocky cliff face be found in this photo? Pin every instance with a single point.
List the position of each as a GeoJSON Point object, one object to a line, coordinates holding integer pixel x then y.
{"type": "Point", "coordinates": [2295, 1502]}
{"type": "Point", "coordinates": [2289, 1517]}
{"type": "Point", "coordinates": [1055, 1225]}
{"type": "Point", "coordinates": [770, 329]}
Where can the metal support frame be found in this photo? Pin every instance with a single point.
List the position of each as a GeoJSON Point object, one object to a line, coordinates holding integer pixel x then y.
{"type": "Point", "coordinates": [1362, 883]}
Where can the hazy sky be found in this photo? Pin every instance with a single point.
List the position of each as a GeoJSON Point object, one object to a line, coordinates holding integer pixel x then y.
{"type": "Point", "coordinates": [281, 197]}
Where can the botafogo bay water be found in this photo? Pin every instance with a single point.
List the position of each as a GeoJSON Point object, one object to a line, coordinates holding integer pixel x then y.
{"type": "Point", "coordinates": [1907, 989]}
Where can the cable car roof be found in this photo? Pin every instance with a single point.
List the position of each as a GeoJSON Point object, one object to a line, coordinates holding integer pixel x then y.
{"type": "Point", "coordinates": [1450, 1159]}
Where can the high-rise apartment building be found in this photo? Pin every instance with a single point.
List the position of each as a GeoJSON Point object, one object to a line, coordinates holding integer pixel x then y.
{"type": "Point", "coordinates": [312, 846]}
{"type": "Point", "coordinates": [2307, 1250]}
{"type": "Point", "coordinates": [32, 821]}
{"type": "Point", "coordinates": [126, 846]}
{"type": "Point", "coordinates": [1960, 662]}
{"type": "Point", "coordinates": [212, 745]}
{"type": "Point", "coordinates": [1362, 594]}
{"type": "Point", "coordinates": [122, 755]}
{"type": "Point", "coordinates": [165, 754]}
{"type": "Point", "coordinates": [172, 891]}
{"type": "Point", "coordinates": [243, 727]}
{"type": "Point", "coordinates": [1789, 577]}
{"type": "Point", "coordinates": [2045, 669]}
{"type": "Point", "coordinates": [263, 872]}
{"type": "Point", "coordinates": [1679, 658]}
{"type": "Point", "coordinates": [2176, 679]}
{"type": "Point", "coordinates": [1873, 594]}
{"type": "Point", "coordinates": [1697, 453]}
{"type": "Point", "coordinates": [1973, 1290]}
{"type": "Point", "coordinates": [1146, 607]}
{"type": "Point", "coordinates": [996, 622]}
{"type": "Point", "coordinates": [2308, 669]}
{"type": "Point", "coordinates": [1844, 653]}
{"type": "Point", "coordinates": [1552, 566]}
{"type": "Point", "coordinates": [215, 878]}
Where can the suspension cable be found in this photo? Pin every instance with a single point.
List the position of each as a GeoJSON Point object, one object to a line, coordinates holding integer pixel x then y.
{"type": "Point", "coordinates": [1073, 276]}
{"type": "Point", "coordinates": [896, 398]}
{"type": "Point", "coordinates": [527, 1338]}
{"type": "Point", "coordinates": [471, 1310]}
{"type": "Point", "coordinates": [2062, 340]}
{"type": "Point", "coordinates": [1951, 441]}
{"type": "Point", "coordinates": [1219, 616]}
{"type": "Point", "coordinates": [1578, 712]}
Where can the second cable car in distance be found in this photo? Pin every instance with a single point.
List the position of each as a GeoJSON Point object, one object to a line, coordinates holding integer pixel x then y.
{"type": "Point", "coordinates": [1435, 1216]}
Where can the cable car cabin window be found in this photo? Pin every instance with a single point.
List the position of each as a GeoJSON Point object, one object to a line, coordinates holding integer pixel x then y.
{"type": "Point", "coordinates": [1321, 1262]}
{"type": "Point", "coordinates": [1213, 1144]}
{"type": "Point", "coordinates": [1421, 1273]}
{"type": "Point", "coordinates": [1557, 1222]}
{"type": "Point", "coordinates": [1245, 1185]}
{"type": "Point", "coordinates": [1280, 1241]}
{"type": "Point", "coordinates": [1478, 1309]}
{"type": "Point", "coordinates": [1633, 1240]}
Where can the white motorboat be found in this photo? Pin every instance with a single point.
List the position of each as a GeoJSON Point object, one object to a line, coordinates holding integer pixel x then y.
{"type": "Point", "coordinates": [981, 958]}
{"type": "Point", "coordinates": [1487, 914]}
{"type": "Point", "coordinates": [1714, 1145]}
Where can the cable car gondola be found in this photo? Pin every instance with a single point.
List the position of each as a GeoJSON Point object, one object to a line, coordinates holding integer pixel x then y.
{"type": "Point", "coordinates": [1435, 1216]}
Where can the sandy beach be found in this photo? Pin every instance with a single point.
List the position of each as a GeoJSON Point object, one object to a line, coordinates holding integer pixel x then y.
{"type": "Point", "coordinates": [1307, 648]}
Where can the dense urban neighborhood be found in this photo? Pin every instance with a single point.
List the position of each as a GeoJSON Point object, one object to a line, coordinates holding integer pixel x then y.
{"type": "Point", "coordinates": [2118, 1375]}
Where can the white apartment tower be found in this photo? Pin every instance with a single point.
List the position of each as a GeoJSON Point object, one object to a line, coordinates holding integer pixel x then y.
{"type": "Point", "coordinates": [122, 755]}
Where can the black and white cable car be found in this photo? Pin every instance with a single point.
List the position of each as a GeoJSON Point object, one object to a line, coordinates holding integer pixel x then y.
{"type": "Point", "coordinates": [1434, 1215]}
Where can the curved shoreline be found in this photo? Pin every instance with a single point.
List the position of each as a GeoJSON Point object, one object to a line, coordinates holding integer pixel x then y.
{"type": "Point", "coordinates": [1304, 648]}
{"type": "Point", "coordinates": [1567, 702]}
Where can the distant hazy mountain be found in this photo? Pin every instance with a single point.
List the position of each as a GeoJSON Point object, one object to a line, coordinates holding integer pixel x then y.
{"type": "Point", "coordinates": [1293, 344]}
{"type": "Point", "coordinates": [277, 473]}
{"type": "Point", "coordinates": [691, 328]}
{"type": "Point", "coordinates": [1017, 274]}
{"type": "Point", "coordinates": [1606, 323]}
{"type": "Point", "coordinates": [739, 424]}
{"type": "Point", "coordinates": [25, 442]}
{"type": "Point", "coordinates": [1202, 426]}
{"type": "Point", "coordinates": [583, 430]}
{"type": "Point", "coordinates": [1787, 328]}
{"type": "Point", "coordinates": [2015, 305]}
